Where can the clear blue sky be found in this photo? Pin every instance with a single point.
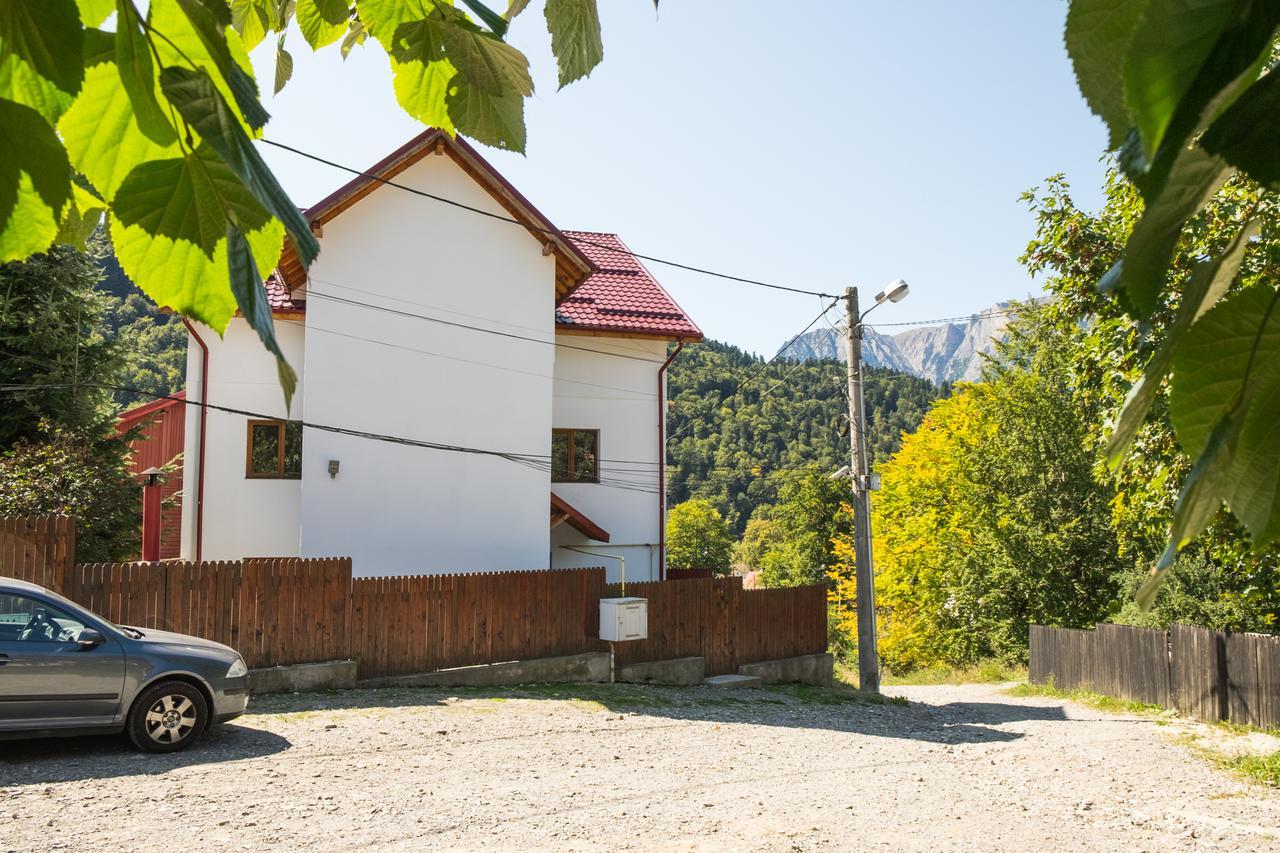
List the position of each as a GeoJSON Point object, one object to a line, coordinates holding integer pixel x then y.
{"type": "Point", "coordinates": [811, 144]}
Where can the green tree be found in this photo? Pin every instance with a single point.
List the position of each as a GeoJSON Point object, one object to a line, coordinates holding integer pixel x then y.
{"type": "Point", "coordinates": [991, 515]}
{"type": "Point", "coordinates": [66, 472]}
{"type": "Point", "coordinates": [1106, 352]}
{"type": "Point", "coordinates": [154, 342]}
{"type": "Point", "coordinates": [739, 443]}
{"type": "Point", "coordinates": [152, 125]}
{"type": "Point", "coordinates": [59, 451]}
{"type": "Point", "coordinates": [56, 352]}
{"type": "Point", "coordinates": [698, 538]}
{"type": "Point", "coordinates": [812, 516]}
{"type": "Point", "coordinates": [762, 534]}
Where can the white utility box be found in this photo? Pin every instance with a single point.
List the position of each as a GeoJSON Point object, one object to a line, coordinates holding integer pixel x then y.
{"type": "Point", "coordinates": [624, 619]}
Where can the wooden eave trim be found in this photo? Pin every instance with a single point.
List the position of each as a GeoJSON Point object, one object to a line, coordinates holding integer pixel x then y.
{"type": "Point", "coordinates": [609, 333]}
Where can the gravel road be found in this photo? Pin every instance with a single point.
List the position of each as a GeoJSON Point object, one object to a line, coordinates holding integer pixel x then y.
{"type": "Point", "coordinates": [959, 767]}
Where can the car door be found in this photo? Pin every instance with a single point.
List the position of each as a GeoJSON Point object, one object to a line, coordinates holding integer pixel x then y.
{"type": "Point", "coordinates": [47, 679]}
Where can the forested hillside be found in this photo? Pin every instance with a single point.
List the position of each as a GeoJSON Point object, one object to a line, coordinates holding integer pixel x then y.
{"type": "Point", "coordinates": [737, 448]}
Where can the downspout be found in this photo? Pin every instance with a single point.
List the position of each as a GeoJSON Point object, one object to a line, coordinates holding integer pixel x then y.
{"type": "Point", "coordinates": [662, 461]}
{"type": "Point", "coordinates": [204, 412]}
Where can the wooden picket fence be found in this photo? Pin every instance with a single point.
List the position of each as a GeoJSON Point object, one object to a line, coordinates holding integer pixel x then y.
{"type": "Point", "coordinates": [273, 611]}
{"type": "Point", "coordinates": [1205, 674]}
{"type": "Point", "coordinates": [37, 549]}
{"type": "Point", "coordinates": [424, 623]}
{"type": "Point", "coordinates": [278, 611]}
{"type": "Point", "coordinates": [727, 626]}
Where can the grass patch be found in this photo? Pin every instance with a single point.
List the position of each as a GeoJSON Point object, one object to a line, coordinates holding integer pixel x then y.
{"type": "Point", "coordinates": [1093, 700]}
{"type": "Point", "coordinates": [983, 672]}
{"type": "Point", "coordinates": [838, 694]}
{"type": "Point", "coordinates": [1263, 769]}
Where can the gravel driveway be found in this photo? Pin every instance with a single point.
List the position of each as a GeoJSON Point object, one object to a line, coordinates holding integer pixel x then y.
{"type": "Point", "coordinates": [960, 767]}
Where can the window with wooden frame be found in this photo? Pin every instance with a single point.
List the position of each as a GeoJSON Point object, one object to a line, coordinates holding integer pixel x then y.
{"type": "Point", "coordinates": [575, 455]}
{"type": "Point", "coordinates": [274, 450]}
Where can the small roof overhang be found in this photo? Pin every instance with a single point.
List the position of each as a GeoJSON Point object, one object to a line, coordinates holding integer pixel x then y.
{"type": "Point", "coordinates": [562, 511]}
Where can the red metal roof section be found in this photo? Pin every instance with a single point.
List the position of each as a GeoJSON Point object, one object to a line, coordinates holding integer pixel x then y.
{"type": "Point", "coordinates": [126, 419]}
{"type": "Point", "coordinates": [576, 520]}
{"type": "Point", "coordinates": [621, 296]}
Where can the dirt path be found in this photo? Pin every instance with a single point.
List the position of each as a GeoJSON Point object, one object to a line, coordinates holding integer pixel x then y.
{"type": "Point", "coordinates": [635, 768]}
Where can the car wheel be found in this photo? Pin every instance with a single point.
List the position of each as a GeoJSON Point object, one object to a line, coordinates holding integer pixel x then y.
{"type": "Point", "coordinates": [167, 717]}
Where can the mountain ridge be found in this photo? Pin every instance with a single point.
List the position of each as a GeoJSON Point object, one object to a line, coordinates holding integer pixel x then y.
{"type": "Point", "coordinates": [945, 352]}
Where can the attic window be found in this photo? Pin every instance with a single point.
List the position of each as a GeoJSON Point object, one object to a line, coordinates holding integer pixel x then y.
{"type": "Point", "coordinates": [274, 450]}
{"type": "Point", "coordinates": [574, 455]}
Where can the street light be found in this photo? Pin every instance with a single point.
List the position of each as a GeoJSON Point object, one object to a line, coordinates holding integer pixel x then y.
{"type": "Point", "coordinates": [863, 484]}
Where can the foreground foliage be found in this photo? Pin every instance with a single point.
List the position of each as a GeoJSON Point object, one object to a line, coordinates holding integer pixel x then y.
{"type": "Point", "coordinates": [698, 538]}
{"type": "Point", "coordinates": [151, 125]}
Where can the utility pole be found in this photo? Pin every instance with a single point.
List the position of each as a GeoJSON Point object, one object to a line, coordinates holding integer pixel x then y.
{"type": "Point", "coordinates": [859, 476]}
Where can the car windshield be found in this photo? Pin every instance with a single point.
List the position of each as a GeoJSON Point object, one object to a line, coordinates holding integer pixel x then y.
{"type": "Point", "coordinates": [132, 633]}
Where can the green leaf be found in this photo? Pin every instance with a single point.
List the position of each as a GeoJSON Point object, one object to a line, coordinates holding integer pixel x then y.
{"type": "Point", "coordinates": [99, 46]}
{"type": "Point", "coordinates": [1167, 51]}
{"type": "Point", "coordinates": [1246, 134]}
{"type": "Point", "coordinates": [575, 37]}
{"type": "Point", "coordinates": [383, 17]}
{"type": "Point", "coordinates": [20, 83]}
{"type": "Point", "coordinates": [516, 7]}
{"type": "Point", "coordinates": [94, 12]}
{"type": "Point", "coordinates": [82, 217]}
{"type": "Point", "coordinates": [355, 35]}
{"type": "Point", "coordinates": [1208, 282]}
{"type": "Point", "coordinates": [252, 20]}
{"type": "Point", "coordinates": [251, 296]}
{"type": "Point", "coordinates": [1140, 273]}
{"type": "Point", "coordinates": [137, 74]}
{"type": "Point", "coordinates": [178, 274]}
{"type": "Point", "coordinates": [192, 198]}
{"type": "Point", "coordinates": [486, 63]}
{"type": "Point", "coordinates": [284, 65]}
{"type": "Point", "coordinates": [491, 19]}
{"type": "Point", "coordinates": [422, 89]}
{"type": "Point", "coordinates": [47, 35]}
{"type": "Point", "coordinates": [102, 137]}
{"type": "Point", "coordinates": [322, 21]}
{"type": "Point", "coordinates": [1097, 37]}
{"type": "Point", "coordinates": [213, 35]}
{"type": "Point", "coordinates": [1226, 381]}
{"type": "Point", "coordinates": [197, 98]}
{"type": "Point", "coordinates": [493, 120]}
{"type": "Point", "coordinates": [35, 182]}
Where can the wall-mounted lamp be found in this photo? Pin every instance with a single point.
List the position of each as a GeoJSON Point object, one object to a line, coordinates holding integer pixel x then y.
{"type": "Point", "coordinates": [333, 468]}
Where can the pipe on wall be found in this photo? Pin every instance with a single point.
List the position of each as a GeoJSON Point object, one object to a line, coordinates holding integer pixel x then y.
{"type": "Point", "coordinates": [662, 460]}
{"type": "Point", "coordinates": [204, 413]}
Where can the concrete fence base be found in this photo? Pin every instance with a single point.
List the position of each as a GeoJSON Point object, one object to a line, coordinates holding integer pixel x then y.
{"type": "Point", "coordinates": [677, 672]}
{"type": "Point", "coordinates": [588, 667]}
{"type": "Point", "coordinates": [806, 669]}
{"type": "Point", "coordinates": [329, 675]}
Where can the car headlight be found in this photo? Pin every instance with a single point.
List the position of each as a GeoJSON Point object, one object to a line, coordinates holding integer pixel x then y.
{"type": "Point", "coordinates": [238, 669]}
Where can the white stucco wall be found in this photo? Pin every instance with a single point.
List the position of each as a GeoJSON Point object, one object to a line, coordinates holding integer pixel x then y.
{"type": "Point", "coordinates": [618, 396]}
{"type": "Point", "coordinates": [397, 509]}
{"type": "Point", "coordinates": [242, 517]}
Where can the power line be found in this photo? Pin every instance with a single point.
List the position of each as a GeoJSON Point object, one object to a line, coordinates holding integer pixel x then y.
{"type": "Point", "coordinates": [549, 231]}
{"type": "Point", "coordinates": [311, 292]}
{"type": "Point", "coordinates": [940, 320]}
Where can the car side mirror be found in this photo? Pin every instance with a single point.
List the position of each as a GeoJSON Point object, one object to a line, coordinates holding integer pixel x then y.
{"type": "Point", "coordinates": [89, 637]}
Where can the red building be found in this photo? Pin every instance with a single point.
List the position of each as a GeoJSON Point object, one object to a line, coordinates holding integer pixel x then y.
{"type": "Point", "coordinates": [157, 436]}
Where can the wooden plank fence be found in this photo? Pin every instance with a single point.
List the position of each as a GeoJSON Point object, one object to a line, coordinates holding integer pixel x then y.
{"type": "Point", "coordinates": [273, 611]}
{"type": "Point", "coordinates": [1205, 674]}
{"type": "Point", "coordinates": [278, 611]}
{"type": "Point", "coordinates": [37, 549]}
{"type": "Point", "coordinates": [412, 624]}
{"type": "Point", "coordinates": [716, 619]}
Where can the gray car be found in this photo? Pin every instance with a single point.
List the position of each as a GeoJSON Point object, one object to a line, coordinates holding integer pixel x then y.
{"type": "Point", "coordinates": [64, 670]}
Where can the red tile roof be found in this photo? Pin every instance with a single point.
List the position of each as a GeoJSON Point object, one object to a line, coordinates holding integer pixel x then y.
{"type": "Point", "coordinates": [621, 296]}
{"type": "Point", "coordinates": [278, 294]}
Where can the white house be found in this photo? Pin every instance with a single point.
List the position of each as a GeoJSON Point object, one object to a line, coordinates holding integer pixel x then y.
{"type": "Point", "coordinates": [423, 323]}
